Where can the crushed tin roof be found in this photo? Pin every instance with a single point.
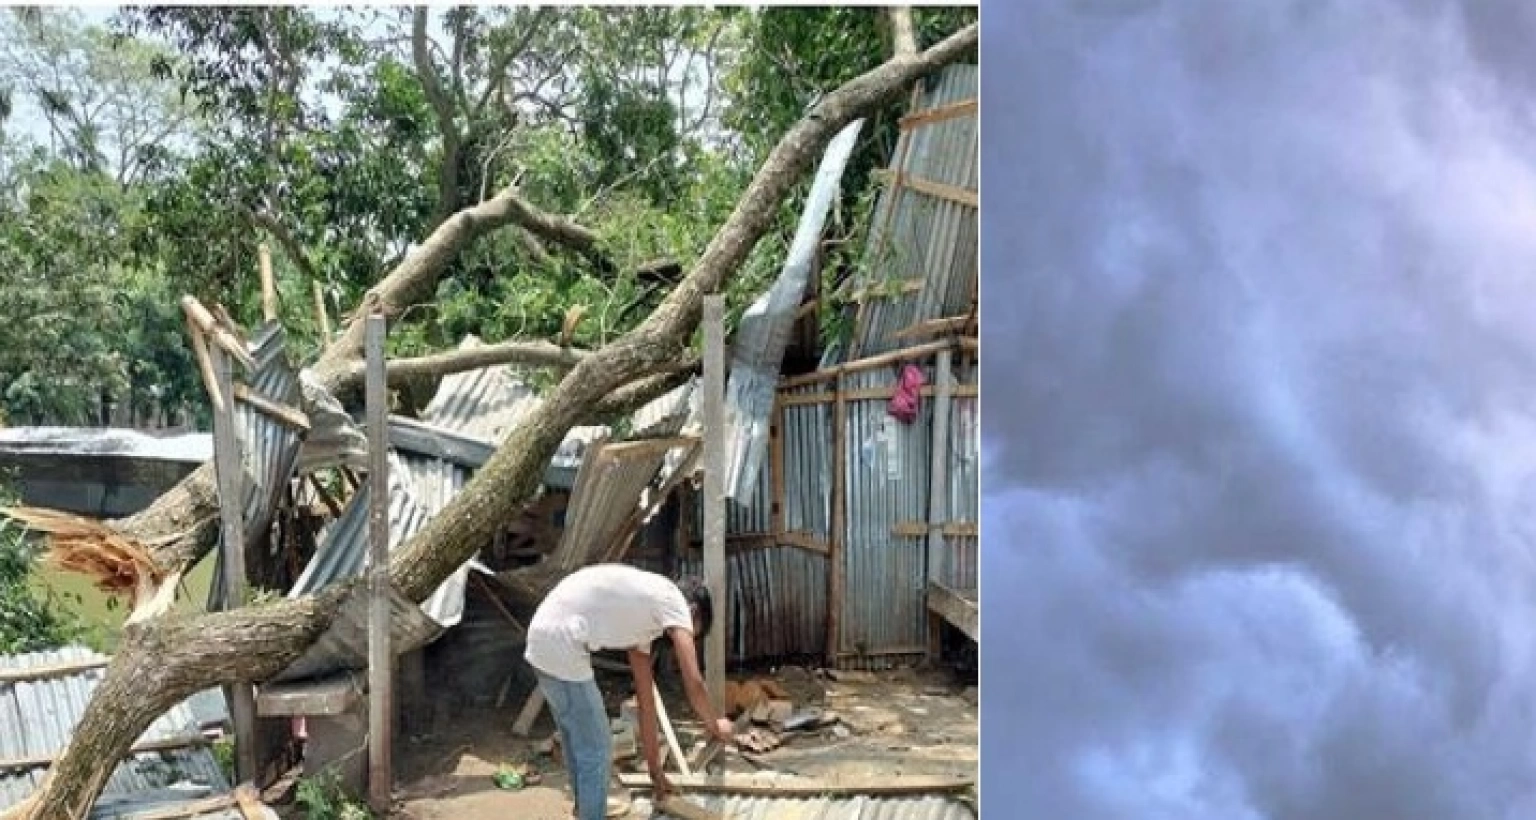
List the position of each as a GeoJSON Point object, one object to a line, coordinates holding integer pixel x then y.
{"type": "Point", "coordinates": [853, 807]}
{"type": "Point", "coordinates": [38, 716]}
{"type": "Point", "coordinates": [757, 352]}
{"type": "Point", "coordinates": [186, 448]}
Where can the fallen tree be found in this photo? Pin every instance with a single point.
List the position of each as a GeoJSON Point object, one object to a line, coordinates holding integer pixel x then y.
{"type": "Point", "coordinates": [162, 661]}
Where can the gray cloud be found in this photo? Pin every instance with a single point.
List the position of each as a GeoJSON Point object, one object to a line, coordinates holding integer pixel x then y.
{"type": "Point", "coordinates": [1260, 409]}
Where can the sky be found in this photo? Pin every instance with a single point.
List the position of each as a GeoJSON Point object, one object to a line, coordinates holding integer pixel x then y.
{"type": "Point", "coordinates": [1259, 417]}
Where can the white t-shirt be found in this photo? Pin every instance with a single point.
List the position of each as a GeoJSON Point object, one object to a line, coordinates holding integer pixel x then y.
{"type": "Point", "coordinates": [606, 606]}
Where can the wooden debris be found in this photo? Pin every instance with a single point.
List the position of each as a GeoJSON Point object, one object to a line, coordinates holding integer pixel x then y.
{"type": "Point", "coordinates": [759, 740]}
{"type": "Point", "coordinates": [763, 786]}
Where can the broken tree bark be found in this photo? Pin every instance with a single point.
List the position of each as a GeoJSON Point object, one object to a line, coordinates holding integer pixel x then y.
{"type": "Point", "coordinates": [163, 661]}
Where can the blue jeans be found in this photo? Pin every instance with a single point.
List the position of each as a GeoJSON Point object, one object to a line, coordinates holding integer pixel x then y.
{"type": "Point", "coordinates": [586, 740]}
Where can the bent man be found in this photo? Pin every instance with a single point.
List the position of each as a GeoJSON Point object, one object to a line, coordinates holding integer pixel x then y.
{"type": "Point", "coordinates": [615, 606]}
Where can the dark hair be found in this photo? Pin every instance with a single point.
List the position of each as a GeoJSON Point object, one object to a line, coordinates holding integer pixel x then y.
{"type": "Point", "coordinates": [697, 595]}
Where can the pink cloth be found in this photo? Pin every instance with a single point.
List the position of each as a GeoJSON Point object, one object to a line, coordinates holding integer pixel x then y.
{"type": "Point", "coordinates": [909, 394]}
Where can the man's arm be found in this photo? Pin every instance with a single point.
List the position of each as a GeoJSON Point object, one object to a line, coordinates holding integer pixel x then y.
{"type": "Point", "coordinates": [645, 698]}
{"type": "Point", "coordinates": [693, 680]}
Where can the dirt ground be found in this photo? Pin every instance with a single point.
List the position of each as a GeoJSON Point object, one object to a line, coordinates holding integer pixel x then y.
{"type": "Point", "coordinates": [901, 722]}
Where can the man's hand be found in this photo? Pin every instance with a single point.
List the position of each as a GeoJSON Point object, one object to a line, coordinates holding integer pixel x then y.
{"type": "Point", "coordinates": [723, 730]}
{"type": "Point", "coordinates": [661, 787]}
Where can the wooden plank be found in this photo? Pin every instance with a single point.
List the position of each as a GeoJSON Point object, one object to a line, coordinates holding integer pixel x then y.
{"type": "Point", "coordinates": [929, 187]}
{"type": "Point", "coordinates": [934, 327]}
{"type": "Point", "coordinates": [647, 446]}
{"type": "Point", "coordinates": [752, 785]}
{"type": "Point", "coordinates": [955, 608]}
{"type": "Point", "coordinates": [776, 467]}
{"type": "Point", "coordinates": [835, 568]}
{"type": "Point", "coordinates": [803, 540]}
{"type": "Point", "coordinates": [938, 477]}
{"type": "Point", "coordinates": [381, 672]}
{"type": "Point", "coordinates": [885, 290]}
{"type": "Point", "coordinates": [182, 811]}
{"type": "Point", "coordinates": [57, 670]}
{"type": "Point", "coordinates": [915, 352]}
{"type": "Point", "coordinates": [220, 337]}
{"type": "Point", "coordinates": [268, 283]}
{"type": "Point", "coordinates": [229, 473]}
{"type": "Point", "coordinates": [249, 803]}
{"type": "Point", "coordinates": [327, 696]}
{"type": "Point", "coordinates": [714, 494]}
{"type": "Point", "coordinates": [170, 744]}
{"type": "Point", "coordinates": [291, 416]}
{"type": "Point", "coordinates": [671, 734]}
{"type": "Point", "coordinates": [874, 394]}
{"type": "Point", "coordinates": [939, 114]}
{"type": "Point", "coordinates": [529, 713]}
{"type": "Point", "coordinates": [952, 529]}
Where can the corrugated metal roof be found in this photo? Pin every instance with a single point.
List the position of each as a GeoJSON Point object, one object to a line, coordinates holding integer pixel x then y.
{"type": "Point", "coordinates": [757, 351]}
{"type": "Point", "coordinates": [858, 807]}
{"type": "Point", "coordinates": [185, 448]}
{"type": "Point", "coordinates": [37, 718]}
{"type": "Point", "coordinates": [918, 240]}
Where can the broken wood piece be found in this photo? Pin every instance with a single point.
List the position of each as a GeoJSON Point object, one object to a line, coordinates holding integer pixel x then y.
{"type": "Point", "coordinates": [268, 283]}
{"type": "Point", "coordinates": [675, 806]}
{"type": "Point", "coordinates": [220, 336]}
{"type": "Point", "coordinates": [666, 727]}
{"type": "Point", "coordinates": [291, 416]}
{"type": "Point", "coordinates": [184, 811]}
{"type": "Point", "coordinates": [204, 358]}
{"type": "Point", "coordinates": [529, 713]}
{"type": "Point", "coordinates": [762, 786]}
{"type": "Point", "coordinates": [249, 803]}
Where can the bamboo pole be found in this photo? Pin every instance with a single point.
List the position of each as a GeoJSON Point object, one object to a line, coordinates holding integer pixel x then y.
{"type": "Point", "coordinates": [835, 545]}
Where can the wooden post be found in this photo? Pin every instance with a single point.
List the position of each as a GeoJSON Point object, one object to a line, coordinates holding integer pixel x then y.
{"type": "Point", "coordinates": [714, 493]}
{"type": "Point", "coordinates": [230, 475]}
{"type": "Point", "coordinates": [322, 318]}
{"type": "Point", "coordinates": [838, 534]}
{"type": "Point", "coordinates": [938, 488]}
{"type": "Point", "coordinates": [268, 284]}
{"type": "Point", "coordinates": [380, 655]}
{"type": "Point", "coordinates": [776, 468]}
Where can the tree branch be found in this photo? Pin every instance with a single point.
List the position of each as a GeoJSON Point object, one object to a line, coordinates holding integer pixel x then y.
{"type": "Point", "coordinates": [437, 365]}
{"type": "Point", "coordinates": [448, 179]}
{"type": "Point", "coordinates": [903, 37]}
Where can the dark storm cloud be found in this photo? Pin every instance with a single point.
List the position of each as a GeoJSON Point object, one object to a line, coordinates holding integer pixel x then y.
{"type": "Point", "coordinates": [1260, 409]}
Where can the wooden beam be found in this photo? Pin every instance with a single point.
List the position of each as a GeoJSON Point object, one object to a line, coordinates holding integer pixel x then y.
{"type": "Point", "coordinates": [169, 744]}
{"type": "Point", "coordinates": [882, 360]}
{"type": "Point", "coordinates": [183, 811]}
{"type": "Point", "coordinates": [835, 568]}
{"type": "Point", "coordinates": [57, 670]}
{"type": "Point", "coordinates": [758, 786]}
{"type": "Point", "coordinates": [631, 525]}
{"type": "Point", "coordinates": [939, 114]}
{"type": "Point", "coordinates": [669, 732]}
{"type": "Point", "coordinates": [919, 529]}
{"type": "Point", "coordinates": [871, 394]}
{"type": "Point", "coordinates": [938, 478]}
{"type": "Point", "coordinates": [229, 473]}
{"type": "Point", "coordinates": [929, 187]}
{"type": "Point", "coordinates": [646, 446]}
{"type": "Point", "coordinates": [803, 540]}
{"type": "Point", "coordinates": [955, 608]}
{"type": "Point", "coordinates": [714, 494]}
{"type": "Point", "coordinates": [935, 327]}
{"type": "Point", "coordinates": [381, 672]}
{"type": "Point", "coordinates": [215, 333]}
{"type": "Point", "coordinates": [291, 416]}
{"type": "Point", "coordinates": [776, 466]}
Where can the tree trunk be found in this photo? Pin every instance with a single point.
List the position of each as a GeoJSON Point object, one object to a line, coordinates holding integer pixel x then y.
{"type": "Point", "coordinates": [162, 661]}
